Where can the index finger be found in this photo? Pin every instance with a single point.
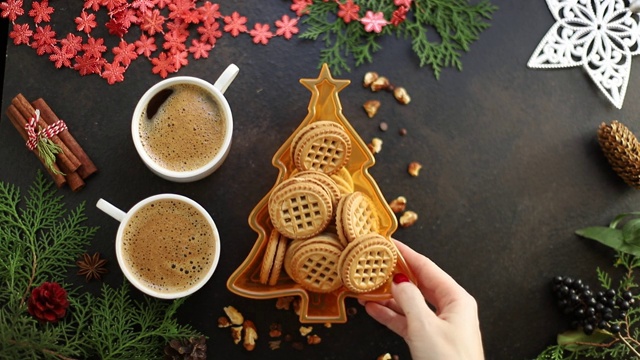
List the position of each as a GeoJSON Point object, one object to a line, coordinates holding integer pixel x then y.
{"type": "Point", "coordinates": [438, 287]}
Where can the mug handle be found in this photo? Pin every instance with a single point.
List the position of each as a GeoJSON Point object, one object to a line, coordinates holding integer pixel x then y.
{"type": "Point", "coordinates": [226, 78]}
{"type": "Point", "coordinates": [111, 210]}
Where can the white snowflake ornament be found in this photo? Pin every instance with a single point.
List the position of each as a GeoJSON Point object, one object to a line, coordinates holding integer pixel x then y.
{"type": "Point", "coordinates": [599, 35]}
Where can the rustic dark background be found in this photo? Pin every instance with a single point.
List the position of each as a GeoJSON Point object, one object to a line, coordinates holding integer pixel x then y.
{"type": "Point", "coordinates": [511, 162]}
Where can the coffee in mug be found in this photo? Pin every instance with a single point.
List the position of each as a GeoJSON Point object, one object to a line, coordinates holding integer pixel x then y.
{"type": "Point", "coordinates": [184, 129]}
{"type": "Point", "coordinates": [167, 245]}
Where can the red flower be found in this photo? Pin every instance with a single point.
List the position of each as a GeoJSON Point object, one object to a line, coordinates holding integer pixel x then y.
{"type": "Point", "coordinates": [209, 11]}
{"type": "Point", "coordinates": [373, 22]}
{"type": "Point", "coordinates": [286, 27]}
{"type": "Point", "coordinates": [399, 15]}
{"type": "Point", "coordinates": [209, 32]}
{"type": "Point", "coordinates": [261, 34]}
{"type": "Point", "coordinates": [348, 11]}
{"type": "Point", "coordinates": [300, 6]}
{"type": "Point", "coordinates": [21, 34]}
{"type": "Point", "coordinates": [11, 9]}
{"type": "Point", "coordinates": [235, 24]}
{"type": "Point", "coordinates": [86, 22]}
{"type": "Point", "coordinates": [199, 49]}
{"type": "Point", "coordinates": [61, 57]}
{"type": "Point", "coordinates": [41, 11]}
{"type": "Point", "coordinates": [71, 44]}
{"type": "Point", "coordinates": [124, 53]}
{"type": "Point", "coordinates": [48, 302]}
{"type": "Point", "coordinates": [94, 47]}
{"type": "Point", "coordinates": [152, 22]}
{"type": "Point", "coordinates": [146, 45]}
{"type": "Point", "coordinates": [113, 73]}
{"type": "Point", "coordinates": [406, 3]}
{"type": "Point", "coordinates": [163, 65]}
{"type": "Point", "coordinates": [43, 40]}
{"type": "Point", "coordinates": [88, 64]}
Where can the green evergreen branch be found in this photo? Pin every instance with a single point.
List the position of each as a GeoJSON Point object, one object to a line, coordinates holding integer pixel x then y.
{"type": "Point", "coordinates": [455, 25]}
{"type": "Point", "coordinates": [40, 242]}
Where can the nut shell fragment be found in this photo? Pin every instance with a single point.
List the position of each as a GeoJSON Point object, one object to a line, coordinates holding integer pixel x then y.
{"type": "Point", "coordinates": [371, 107]}
{"type": "Point", "coordinates": [408, 218]}
{"type": "Point", "coordinates": [401, 95]}
{"type": "Point", "coordinates": [314, 339]}
{"type": "Point", "coordinates": [375, 146]}
{"type": "Point", "coordinates": [250, 335]}
{"type": "Point", "coordinates": [398, 204]}
{"type": "Point", "coordinates": [234, 315]}
{"type": "Point", "coordinates": [414, 168]}
{"type": "Point", "coordinates": [369, 78]}
{"type": "Point", "coordinates": [381, 83]}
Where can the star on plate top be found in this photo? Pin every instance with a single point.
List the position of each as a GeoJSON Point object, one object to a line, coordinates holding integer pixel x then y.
{"type": "Point", "coordinates": [599, 35]}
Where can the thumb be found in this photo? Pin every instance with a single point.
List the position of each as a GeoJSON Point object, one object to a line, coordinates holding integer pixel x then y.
{"type": "Point", "coordinates": [410, 299]}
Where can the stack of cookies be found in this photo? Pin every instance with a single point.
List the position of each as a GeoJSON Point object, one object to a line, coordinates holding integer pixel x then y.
{"type": "Point", "coordinates": [325, 233]}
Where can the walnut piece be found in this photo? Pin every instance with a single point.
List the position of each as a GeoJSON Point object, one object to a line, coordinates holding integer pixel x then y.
{"type": "Point", "coordinates": [275, 330]}
{"type": "Point", "coordinates": [375, 146]}
{"type": "Point", "coordinates": [381, 83]}
{"type": "Point", "coordinates": [371, 107]}
{"type": "Point", "coordinates": [401, 95]}
{"type": "Point", "coordinates": [305, 330]}
{"type": "Point", "coordinates": [234, 315]}
{"type": "Point", "coordinates": [369, 78]}
{"type": "Point", "coordinates": [223, 322]}
{"type": "Point", "coordinates": [414, 168]}
{"type": "Point", "coordinates": [398, 204]}
{"type": "Point", "coordinates": [313, 339]}
{"type": "Point", "coordinates": [236, 334]}
{"type": "Point", "coordinates": [386, 356]}
{"type": "Point", "coordinates": [250, 335]}
{"type": "Point", "coordinates": [275, 344]}
{"type": "Point", "coordinates": [408, 218]}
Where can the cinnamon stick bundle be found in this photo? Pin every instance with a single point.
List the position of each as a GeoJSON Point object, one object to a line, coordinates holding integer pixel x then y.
{"type": "Point", "coordinates": [66, 157]}
{"type": "Point", "coordinates": [72, 161]}
{"type": "Point", "coordinates": [17, 120]}
{"type": "Point", "coordinates": [87, 167]}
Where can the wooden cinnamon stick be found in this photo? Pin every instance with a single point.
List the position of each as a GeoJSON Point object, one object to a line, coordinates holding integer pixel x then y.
{"type": "Point", "coordinates": [66, 156]}
{"type": "Point", "coordinates": [87, 167]}
{"type": "Point", "coordinates": [18, 122]}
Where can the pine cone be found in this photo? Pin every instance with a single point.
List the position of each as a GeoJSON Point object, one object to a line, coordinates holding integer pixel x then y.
{"type": "Point", "coordinates": [192, 349]}
{"type": "Point", "coordinates": [622, 150]}
{"type": "Point", "coordinates": [48, 302]}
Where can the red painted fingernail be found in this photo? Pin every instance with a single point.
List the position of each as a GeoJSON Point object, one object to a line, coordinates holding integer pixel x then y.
{"type": "Point", "coordinates": [400, 278]}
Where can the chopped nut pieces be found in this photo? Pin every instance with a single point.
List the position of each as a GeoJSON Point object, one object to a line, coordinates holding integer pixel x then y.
{"type": "Point", "coordinates": [371, 107]}
{"type": "Point", "coordinates": [275, 344]}
{"type": "Point", "coordinates": [313, 339]}
{"type": "Point", "coordinates": [375, 146]}
{"type": "Point", "coordinates": [381, 83]}
{"type": "Point", "coordinates": [401, 95]}
{"type": "Point", "coordinates": [223, 322]}
{"type": "Point", "coordinates": [327, 325]}
{"type": "Point", "coordinates": [408, 218]}
{"type": "Point", "coordinates": [236, 334]}
{"type": "Point", "coordinates": [250, 335]}
{"type": "Point", "coordinates": [305, 330]}
{"type": "Point", "coordinates": [398, 204]}
{"type": "Point", "coordinates": [234, 315]}
{"type": "Point", "coordinates": [386, 356]}
{"type": "Point", "coordinates": [414, 168]}
{"type": "Point", "coordinates": [369, 78]}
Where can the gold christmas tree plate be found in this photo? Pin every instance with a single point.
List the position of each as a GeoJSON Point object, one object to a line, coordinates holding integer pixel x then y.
{"type": "Point", "coordinates": [316, 307]}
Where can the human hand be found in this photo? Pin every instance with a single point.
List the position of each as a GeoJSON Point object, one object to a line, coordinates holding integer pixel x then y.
{"type": "Point", "coordinates": [451, 332]}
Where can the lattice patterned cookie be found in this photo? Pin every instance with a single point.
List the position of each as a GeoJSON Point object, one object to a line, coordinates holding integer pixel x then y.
{"type": "Point", "coordinates": [300, 209]}
{"type": "Point", "coordinates": [324, 148]}
{"type": "Point", "coordinates": [367, 263]}
{"type": "Point", "coordinates": [315, 266]}
{"type": "Point", "coordinates": [356, 216]}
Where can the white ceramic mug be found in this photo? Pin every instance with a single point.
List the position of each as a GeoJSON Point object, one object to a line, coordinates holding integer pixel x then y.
{"type": "Point", "coordinates": [217, 92]}
{"type": "Point", "coordinates": [144, 285]}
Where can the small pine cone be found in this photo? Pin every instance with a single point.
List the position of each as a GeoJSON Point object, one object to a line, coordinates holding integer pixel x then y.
{"type": "Point", "coordinates": [192, 349]}
{"type": "Point", "coordinates": [622, 150]}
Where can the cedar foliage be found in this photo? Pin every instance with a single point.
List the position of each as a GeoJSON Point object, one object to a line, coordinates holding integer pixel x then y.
{"type": "Point", "coordinates": [40, 242]}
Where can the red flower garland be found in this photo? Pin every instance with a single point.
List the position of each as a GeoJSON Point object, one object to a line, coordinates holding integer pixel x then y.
{"type": "Point", "coordinates": [164, 31]}
{"type": "Point", "coordinates": [48, 302]}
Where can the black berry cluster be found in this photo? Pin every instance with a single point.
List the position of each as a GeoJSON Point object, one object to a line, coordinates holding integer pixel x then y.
{"type": "Point", "coordinates": [591, 310]}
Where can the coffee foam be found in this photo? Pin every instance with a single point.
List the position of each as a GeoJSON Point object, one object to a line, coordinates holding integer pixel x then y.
{"type": "Point", "coordinates": [168, 245]}
{"type": "Point", "coordinates": [187, 131]}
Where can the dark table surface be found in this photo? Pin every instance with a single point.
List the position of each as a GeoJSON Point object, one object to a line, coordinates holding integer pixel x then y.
{"type": "Point", "coordinates": [512, 168]}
